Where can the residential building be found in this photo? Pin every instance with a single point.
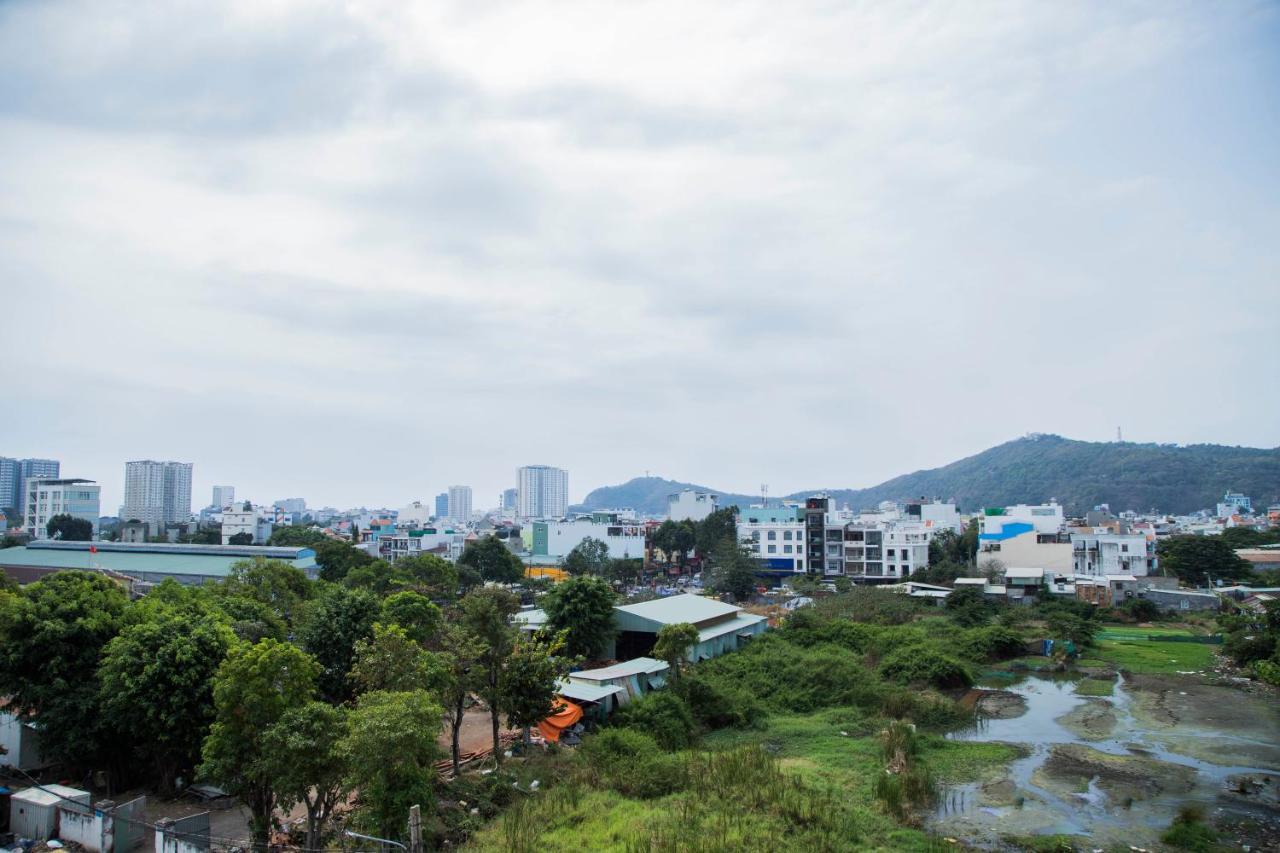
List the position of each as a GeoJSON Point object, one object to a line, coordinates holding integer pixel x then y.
{"type": "Point", "coordinates": [887, 552]}
{"type": "Point", "coordinates": [775, 536]}
{"type": "Point", "coordinates": [157, 493]}
{"type": "Point", "coordinates": [43, 499]}
{"type": "Point", "coordinates": [940, 515]}
{"type": "Point", "coordinates": [459, 504]}
{"type": "Point", "coordinates": [690, 505]}
{"type": "Point", "coordinates": [297, 506]}
{"type": "Point", "coordinates": [1100, 554]}
{"type": "Point", "coordinates": [1018, 543]}
{"type": "Point", "coordinates": [1043, 518]}
{"type": "Point", "coordinates": [442, 540]}
{"type": "Point", "coordinates": [416, 514]}
{"type": "Point", "coordinates": [1234, 503]}
{"type": "Point", "coordinates": [442, 505]}
{"type": "Point", "coordinates": [557, 538]}
{"type": "Point", "coordinates": [542, 492]}
{"type": "Point", "coordinates": [510, 500]}
{"type": "Point", "coordinates": [14, 471]}
{"type": "Point", "coordinates": [223, 496]}
{"type": "Point", "coordinates": [247, 518]}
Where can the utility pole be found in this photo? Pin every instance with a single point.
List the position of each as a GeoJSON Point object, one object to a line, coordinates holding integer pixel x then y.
{"type": "Point", "coordinates": [415, 829]}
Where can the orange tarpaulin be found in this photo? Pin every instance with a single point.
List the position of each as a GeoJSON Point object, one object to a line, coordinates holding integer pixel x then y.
{"type": "Point", "coordinates": [552, 726]}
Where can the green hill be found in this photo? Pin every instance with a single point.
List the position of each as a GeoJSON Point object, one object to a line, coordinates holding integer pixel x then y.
{"type": "Point", "coordinates": [1079, 474]}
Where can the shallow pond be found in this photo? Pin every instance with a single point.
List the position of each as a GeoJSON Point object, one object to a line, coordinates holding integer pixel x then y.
{"type": "Point", "coordinates": [1117, 768]}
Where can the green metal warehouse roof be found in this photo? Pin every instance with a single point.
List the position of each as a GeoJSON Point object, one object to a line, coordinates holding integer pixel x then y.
{"type": "Point", "coordinates": [203, 561]}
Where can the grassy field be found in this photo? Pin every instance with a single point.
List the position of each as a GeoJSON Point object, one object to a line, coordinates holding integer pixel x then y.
{"type": "Point", "coordinates": [1130, 649]}
{"type": "Point", "coordinates": [830, 758]}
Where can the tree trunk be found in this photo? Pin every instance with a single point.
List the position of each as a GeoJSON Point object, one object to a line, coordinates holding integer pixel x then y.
{"type": "Point", "coordinates": [261, 804]}
{"type": "Point", "coordinates": [313, 827]}
{"type": "Point", "coordinates": [456, 723]}
{"type": "Point", "coordinates": [497, 743]}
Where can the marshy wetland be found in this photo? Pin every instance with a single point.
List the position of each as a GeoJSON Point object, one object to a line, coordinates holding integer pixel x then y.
{"type": "Point", "coordinates": [1110, 755]}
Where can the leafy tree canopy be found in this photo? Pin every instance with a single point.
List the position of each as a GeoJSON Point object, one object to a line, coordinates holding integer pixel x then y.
{"type": "Point", "coordinates": [391, 660]}
{"type": "Point", "coordinates": [335, 622]}
{"type": "Point", "coordinates": [582, 607]}
{"type": "Point", "coordinates": [674, 643]}
{"type": "Point", "coordinates": [336, 557]}
{"type": "Point", "coordinates": [300, 756]}
{"type": "Point", "coordinates": [491, 558]}
{"type": "Point", "coordinates": [588, 557]}
{"type": "Point", "coordinates": [732, 571]}
{"type": "Point", "coordinates": [69, 528]}
{"type": "Point", "coordinates": [296, 536]}
{"type": "Point", "coordinates": [416, 614]}
{"type": "Point", "coordinates": [1197, 559]}
{"type": "Point", "coordinates": [52, 633]}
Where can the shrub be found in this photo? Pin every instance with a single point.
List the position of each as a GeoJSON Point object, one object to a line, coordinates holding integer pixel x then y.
{"type": "Point", "coordinates": [1189, 831]}
{"type": "Point", "coordinates": [994, 642]}
{"type": "Point", "coordinates": [718, 705]}
{"type": "Point", "coordinates": [664, 716]}
{"type": "Point", "coordinates": [925, 708]}
{"type": "Point", "coordinates": [633, 764]}
{"type": "Point", "coordinates": [789, 677]}
{"type": "Point", "coordinates": [1141, 610]}
{"type": "Point", "coordinates": [924, 663]}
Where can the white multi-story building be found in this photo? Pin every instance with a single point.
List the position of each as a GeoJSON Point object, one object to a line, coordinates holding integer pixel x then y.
{"type": "Point", "coordinates": [690, 505]}
{"type": "Point", "coordinates": [443, 541]}
{"type": "Point", "coordinates": [1042, 518]}
{"type": "Point", "coordinates": [460, 504]}
{"type": "Point", "coordinates": [245, 518]}
{"type": "Point", "coordinates": [1234, 503]}
{"type": "Point", "coordinates": [415, 515]}
{"type": "Point", "coordinates": [542, 492]}
{"type": "Point", "coordinates": [775, 537]}
{"type": "Point", "coordinates": [43, 499]}
{"type": "Point", "coordinates": [158, 493]}
{"type": "Point", "coordinates": [1102, 553]}
{"type": "Point", "coordinates": [558, 538]}
{"type": "Point", "coordinates": [223, 496]}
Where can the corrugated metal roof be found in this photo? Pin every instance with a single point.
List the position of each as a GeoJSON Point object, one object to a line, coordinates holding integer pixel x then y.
{"type": "Point", "coordinates": [743, 620]}
{"type": "Point", "coordinates": [634, 666]}
{"type": "Point", "coordinates": [133, 563]}
{"type": "Point", "coordinates": [587, 692]}
{"type": "Point", "coordinates": [680, 608]}
{"type": "Point", "coordinates": [51, 795]}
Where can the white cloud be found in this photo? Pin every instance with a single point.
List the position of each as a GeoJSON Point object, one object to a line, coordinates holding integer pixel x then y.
{"type": "Point", "coordinates": [402, 245]}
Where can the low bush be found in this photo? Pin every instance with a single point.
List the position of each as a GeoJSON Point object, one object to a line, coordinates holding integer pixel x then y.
{"type": "Point", "coordinates": [995, 642]}
{"type": "Point", "coordinates": [662, 715]}
{"type": "Point", "coordinates": [1189, 831]}
{"type": "Point", "coordinates": [719, 705]}
{"type": "Point", "coordinates": [788, 677]}
{"type": "Point", "coordinates": [920, 663]}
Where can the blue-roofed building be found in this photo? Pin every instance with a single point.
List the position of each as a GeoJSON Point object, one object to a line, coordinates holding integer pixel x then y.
{"type": "Point", "coordinates": [147, 563]}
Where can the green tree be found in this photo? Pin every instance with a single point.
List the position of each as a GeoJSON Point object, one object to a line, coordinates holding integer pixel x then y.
{"type": "Point", "coordinates": [582, 607]}
{"type": "Point", "coordinates": [588, 557]}
{"type": "Point", "coordinates": [69, 528]}
{"type": "Point", "coordinates": [52, 633]}
{"type": "Point", "coordinates": [461, 652]}
{"type": "Point", "coordinates": [242, 538]}
{"type": "Point", "coordinates": [336, 558]}
{"type": "Point", "coordinates": [390, 750]}
{"type": "Point", "coordinates": [968, 607]}
{"type": "Point", "coordinates": [253, 689]}
{"type": "Point", "coordinates": [675, 539]}
{"type": "Point", "coordinates": [296, 536]}
{"type": "Point", "coordinates": [674, 643]}
{"type": "Point", "coordinates": [301, 757]}
{"type": "Point", "coordinates": [419, 617]}
{"type": "Point", "coordinates": [625, 571]}
{"type": "Point", "coordinates": [391, 660]}
{"type": "Point", "coordinates": [1197, 560]}
{"type": "Point", "coordinates": [335, 622]}
{"type": "Point", "coordinates": [275, 583]}
{"type": "Point", "coordinates": [486, 613]}
{"type": "Point", "coordinates": [379, 577]}
{"type": "Point", "coordinates": [490, 557]}
{"type": "Point", "coordinates": [433, 575]}
{"type": "Point", "coordinates": [528, 681]}
{"type": "Point", "coordinates": [158, 675]}
{"type": "Point", "coordinates": [732, 571]}
{"type": "Point", "coordinates": [715, 528]}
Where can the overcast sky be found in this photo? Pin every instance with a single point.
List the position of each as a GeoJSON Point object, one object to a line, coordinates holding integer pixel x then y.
{"type": "Point", "coordinates": [359, 251]}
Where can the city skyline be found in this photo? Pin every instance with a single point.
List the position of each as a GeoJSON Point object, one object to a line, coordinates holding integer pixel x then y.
{"type": "Point", "coordinates": [913, 234]}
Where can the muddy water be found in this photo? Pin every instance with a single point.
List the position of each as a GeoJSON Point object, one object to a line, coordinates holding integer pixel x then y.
{"type": "Point", "coordinates": [1117, 769]}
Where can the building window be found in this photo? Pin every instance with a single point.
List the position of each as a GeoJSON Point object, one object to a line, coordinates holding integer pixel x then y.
{"type": "Point", "coordinates": [773, 549]}
{"type": "Point", "coordinates": [786, 534]}
{"type": "Point", "coordinates": [773, 534]}
{"type": "Point", "coordinates": [786, 549]}
{"type": "Point", "coordinates": [889, 553]}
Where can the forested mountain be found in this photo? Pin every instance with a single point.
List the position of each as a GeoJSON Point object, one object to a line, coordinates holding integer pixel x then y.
{"type": "Point", "coordinates": [1079, 474]}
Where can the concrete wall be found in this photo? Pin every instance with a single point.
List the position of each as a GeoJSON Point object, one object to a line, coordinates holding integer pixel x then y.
{"type": "Point", "coordinates": [91, 828]}
{"type": "Point", "coordinates": [21, 744]}
{"type": "Point", "coordinates": [1024, 552]}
